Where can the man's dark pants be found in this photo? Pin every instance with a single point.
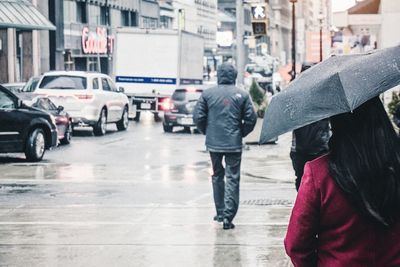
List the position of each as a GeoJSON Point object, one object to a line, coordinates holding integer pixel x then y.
{"type": "Point", "coordinates": [226, 194]}
{"type": "Point", "coordinates": [298, 161]}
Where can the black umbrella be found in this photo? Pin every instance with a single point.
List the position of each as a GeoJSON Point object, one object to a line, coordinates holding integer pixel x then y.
{"type": "Point", "coordinates": [337, 85]}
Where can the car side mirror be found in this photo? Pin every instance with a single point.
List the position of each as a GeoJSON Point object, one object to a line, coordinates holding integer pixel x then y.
{"type": "Point", "coordinates": [121, 90]}
{"type": "Point", "coordinates": [60, 108]}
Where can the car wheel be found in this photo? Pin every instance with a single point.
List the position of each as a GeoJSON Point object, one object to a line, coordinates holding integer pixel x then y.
{"type": "Point", "coordinates": [35, 145]}
{"type": "Point", "coordinates": [67, 135]}
{"type": "Point", "coordinates": [187, 129]}
{"type": "Point", "coordinates": [168, 129]}
{"type": "Point", "coordinates": [157, 117]}
{"type": "Point", "coordinates": [123, 123]}
{"type": "Point", "coordinates": [100, 127]}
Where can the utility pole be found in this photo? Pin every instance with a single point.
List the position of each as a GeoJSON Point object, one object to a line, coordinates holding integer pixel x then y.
{"type": "Point", "coordinates": [293, 71]}
{"type": "Point", "coordinates": [239, 42]}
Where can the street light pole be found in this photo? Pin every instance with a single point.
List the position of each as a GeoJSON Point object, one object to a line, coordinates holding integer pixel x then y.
{"type": "Point", "coordinates": [320, 18]}
{"type": "Point", "coordinates": [293, 71]}
{"type": "Point", "coordinates": [239, 42]}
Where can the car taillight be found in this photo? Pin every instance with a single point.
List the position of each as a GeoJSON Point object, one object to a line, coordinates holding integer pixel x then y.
{"type": "Point", "coordinates": [61, 120]}
{"type": "Point", "coordinates": [166, 104]}
{"type": "Point", "coordinates": [85, 97]}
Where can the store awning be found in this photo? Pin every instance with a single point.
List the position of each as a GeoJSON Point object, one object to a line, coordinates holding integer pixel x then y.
{"type": "Point", "coordinates": [21, 14]}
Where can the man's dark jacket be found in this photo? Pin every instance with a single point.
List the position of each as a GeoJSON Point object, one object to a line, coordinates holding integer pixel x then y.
{"type": "Point", "coordinates": [225, 113]}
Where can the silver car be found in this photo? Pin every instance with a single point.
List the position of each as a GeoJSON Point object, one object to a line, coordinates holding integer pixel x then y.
{"type": "Point", "coordinates": [90, 98]}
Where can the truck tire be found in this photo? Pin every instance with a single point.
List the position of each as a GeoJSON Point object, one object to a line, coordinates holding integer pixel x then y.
{"type": "Point", "coordinates": [123, 123]}
{"type": "Point", "coordinates": [100, 128]}
{"type": "Point", "coordinates": [35, 145]}
{"type": "Point", "coordinates": [137, 118]}
{"type": "Point", "coordinates": [157, 117]}
{"type": "Point", "coordinates": [167, 129]}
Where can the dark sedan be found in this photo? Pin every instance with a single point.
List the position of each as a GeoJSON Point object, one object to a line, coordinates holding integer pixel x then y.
{"type": "Point", "coordinates": [23, 128]}
{"type": "Point", "coordinates": [63, 120]}
{"type": "Point", "coordinates": [179, 109]}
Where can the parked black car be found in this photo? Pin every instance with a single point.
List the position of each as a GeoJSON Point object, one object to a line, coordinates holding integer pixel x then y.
{"type": "Point", "coordinates": [180, 109]}
{"type": "Point", "coordinates": [23, 128]}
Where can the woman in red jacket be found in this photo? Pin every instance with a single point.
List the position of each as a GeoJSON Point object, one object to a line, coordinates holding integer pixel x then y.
{"type": "Point", "coordinates": [347, 212]}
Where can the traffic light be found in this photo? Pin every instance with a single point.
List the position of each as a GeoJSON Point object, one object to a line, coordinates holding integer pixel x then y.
{"type": "Point", "coordinates": [259, 19]}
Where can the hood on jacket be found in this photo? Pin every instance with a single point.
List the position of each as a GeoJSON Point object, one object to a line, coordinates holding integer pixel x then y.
{"type": "Point", "coordinates": [227, 74]}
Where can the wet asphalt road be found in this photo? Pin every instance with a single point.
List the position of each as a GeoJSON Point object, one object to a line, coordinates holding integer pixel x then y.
{"type": "Point", "coordinates": [140, 198]}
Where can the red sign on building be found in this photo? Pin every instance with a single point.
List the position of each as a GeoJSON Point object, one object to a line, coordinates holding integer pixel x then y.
{"type": "Point", "coordinates": [97, 42]}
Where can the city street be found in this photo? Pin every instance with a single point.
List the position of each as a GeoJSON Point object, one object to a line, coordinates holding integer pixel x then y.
{"type": "Point", "coordinates": [141, 198]}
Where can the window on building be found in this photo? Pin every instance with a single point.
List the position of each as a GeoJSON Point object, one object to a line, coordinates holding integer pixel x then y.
{"type": "Point", "coordinates": [124, 18]}
{"type": "Point", "coordinates": [104, 15]}
{"type": "Point", "coordinates": [149, 23]}
{"type": "Point", "coordinates": [81, 12]}
{"type": "Point", "coordinates": [134, 21]}
{"type": "Point", "coordinates": [165, 22]}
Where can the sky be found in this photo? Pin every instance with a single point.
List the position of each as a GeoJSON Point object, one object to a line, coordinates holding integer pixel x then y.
{"type": "Point", "coordinates": [340, 5]}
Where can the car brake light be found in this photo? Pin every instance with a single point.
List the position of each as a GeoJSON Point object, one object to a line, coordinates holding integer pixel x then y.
{"type": "Point", "coordinates": [166, 104]}
{"type": "Point", "coordinates": [61, 119]}
{"type": "Point", "coordinates": [85, 97]}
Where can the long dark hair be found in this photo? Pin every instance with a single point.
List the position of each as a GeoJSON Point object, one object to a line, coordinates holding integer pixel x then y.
{"type": "Point", "coordinates": [364, 160]}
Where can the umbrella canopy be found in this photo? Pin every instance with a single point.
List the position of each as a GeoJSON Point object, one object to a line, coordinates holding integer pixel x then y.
{"type": "Point", "coordinates": [337, 85]}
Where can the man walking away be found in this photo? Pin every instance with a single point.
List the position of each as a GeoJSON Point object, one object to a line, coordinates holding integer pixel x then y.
{"type": "Point", "coordinates": [225, 114]}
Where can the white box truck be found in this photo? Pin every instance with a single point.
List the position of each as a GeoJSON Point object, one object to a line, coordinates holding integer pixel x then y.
{"type": "Point", "coordinates": [150, 64]}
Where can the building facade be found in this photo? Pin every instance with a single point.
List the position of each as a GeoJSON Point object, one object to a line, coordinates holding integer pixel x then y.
{"type": "Point", "coordinates": [20, 26]}
{"type": "Point", "coordinates": [200, 17]}
{"type": "Point", "coordinates": [86, 30]}
{"type": "Point", "coordinates": [227, 30]}
{"type": "Point", "coordinates": [367, 25]}
{"type": "Point", "coordinates": [280, 30]}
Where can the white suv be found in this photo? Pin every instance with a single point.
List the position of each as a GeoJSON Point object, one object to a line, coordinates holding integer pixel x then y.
{"type": "Point", "coordinates": [90, 98]}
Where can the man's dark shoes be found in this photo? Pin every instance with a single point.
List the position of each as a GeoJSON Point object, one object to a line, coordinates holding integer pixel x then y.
{"type": "Point", "coordinates": [227, 224]}
{"type": "Point", "coordinates": [218, 218]}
